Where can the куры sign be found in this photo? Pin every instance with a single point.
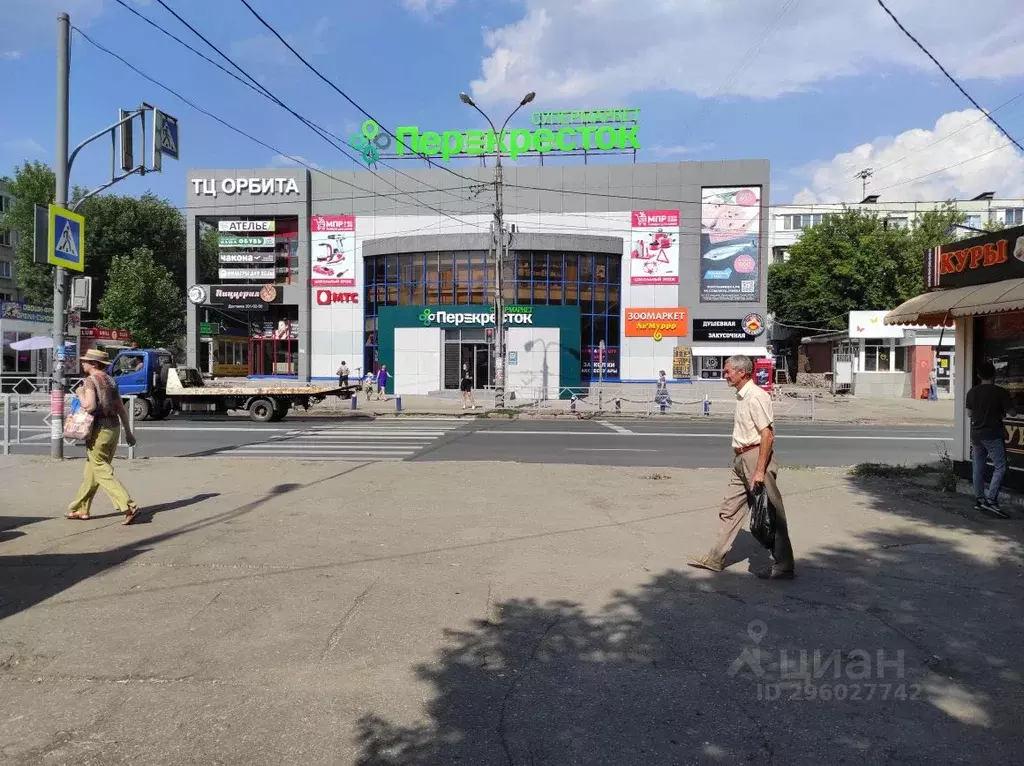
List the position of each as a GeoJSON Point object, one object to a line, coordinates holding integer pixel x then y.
{"type": "Point", "coordinates": [978, 260]}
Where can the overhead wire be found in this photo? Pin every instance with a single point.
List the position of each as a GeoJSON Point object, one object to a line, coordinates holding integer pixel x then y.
{"type": "Point", "coordinates": [326, 135]}
{"type": "Point", "coordinates": [338, 90]}
{"type": "Point", "coordinates": [949, 77]}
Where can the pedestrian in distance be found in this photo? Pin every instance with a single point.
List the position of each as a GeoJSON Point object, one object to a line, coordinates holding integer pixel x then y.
{"type": "Point", "coordinates": [933, 386]}
{"type": "Point", "coordinates": [661, 395]}
{"type": "Point", "coordinates": [754, 468]}
{"type": "Point", "coordinates": [466, 387]}
{"type": "Point", "coordinates": [382, 382]}
{"type": "Point", "coordinates": [343, 374]}
{"type": "Point", "coordinates": [987, 407]}
{"type": "Point", "coordinates": [101, 399]}
{"type": "Point", "coordinates": [368, 382]}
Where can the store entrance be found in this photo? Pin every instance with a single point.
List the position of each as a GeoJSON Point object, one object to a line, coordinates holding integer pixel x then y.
{"type": "Point", "coordinates": [468, 352]}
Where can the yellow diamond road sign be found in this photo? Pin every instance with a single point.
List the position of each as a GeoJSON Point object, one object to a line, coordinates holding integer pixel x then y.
{"type": "Point", "coordinates": [66, 239]}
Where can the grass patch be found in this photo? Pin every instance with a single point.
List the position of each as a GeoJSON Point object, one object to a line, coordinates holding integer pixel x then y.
{"type": "Point", "coordinates": [887, 471]}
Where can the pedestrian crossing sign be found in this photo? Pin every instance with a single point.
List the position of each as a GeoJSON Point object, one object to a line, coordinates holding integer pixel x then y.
{"type": "Point", "coordinates": [165, 138]}
{"type": "Point", "coordinates": [66, 239]}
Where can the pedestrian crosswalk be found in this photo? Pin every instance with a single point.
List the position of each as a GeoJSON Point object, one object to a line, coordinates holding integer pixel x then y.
{"type": "Point", "coordinates": [380, 440]}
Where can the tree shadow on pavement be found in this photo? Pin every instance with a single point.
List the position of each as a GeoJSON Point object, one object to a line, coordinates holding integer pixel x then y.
{"type": "Point", "coordinates": [896, 645]}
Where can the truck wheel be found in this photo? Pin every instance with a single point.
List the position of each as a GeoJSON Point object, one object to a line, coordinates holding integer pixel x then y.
{"type": "Point", "coordinates": [142, 408]}
{"type": "Point", "coordinates": [280, 413]}
{"type": "Point", "coordinates": [262, 411]}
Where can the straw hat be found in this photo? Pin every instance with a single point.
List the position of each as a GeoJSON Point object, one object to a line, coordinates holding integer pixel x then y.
{"type": "Point", "coordinates": [96, 356]}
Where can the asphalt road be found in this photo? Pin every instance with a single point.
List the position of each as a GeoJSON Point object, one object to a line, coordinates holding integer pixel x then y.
{"type": "Point", "coordinates": [683, 444]}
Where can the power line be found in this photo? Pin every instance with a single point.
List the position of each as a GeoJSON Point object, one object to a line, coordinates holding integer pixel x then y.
{"type": "Point", "coordinates": [252, 138]}
{"type": "Point", "coordinates": [752, 51]}
{"type": "Point", "coordinates": [257, 87]}
{"type": "Point", "coordinates": [316, 129]}
{"type": "Point", "coordinates": [338, 90]}
{"type": "Point", "coordinates": [949, 77]}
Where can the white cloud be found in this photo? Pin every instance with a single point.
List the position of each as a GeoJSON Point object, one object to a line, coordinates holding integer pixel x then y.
{"type": "Point", "coordinates": [280, 161]}
{"type": "Point", "coordinates": [24, 147]}
{"type": "Point", "coordinates": [963, 155]}
{"type": "Point", "coordinates": [267, 49]}
{"type": "Point", "coordinates": [573, 53]}
{"type": "Point", "coordinates": [26, 25]}
{"type": "Point", "coordinates": [428, 7]}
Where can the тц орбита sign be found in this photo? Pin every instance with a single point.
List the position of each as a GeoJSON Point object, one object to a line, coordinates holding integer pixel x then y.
{"type": "Point", "coordinates": [555, 131]}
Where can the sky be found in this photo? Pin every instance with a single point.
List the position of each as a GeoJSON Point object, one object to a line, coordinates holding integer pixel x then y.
{"type": "Point", "coordinates": [822, 89]}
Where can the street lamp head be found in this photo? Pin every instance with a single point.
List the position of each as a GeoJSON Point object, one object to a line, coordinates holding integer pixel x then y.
{"type": "Point", "coordinates": [527, 98]}
{"type": "Point", "coordinates": [465, 99]}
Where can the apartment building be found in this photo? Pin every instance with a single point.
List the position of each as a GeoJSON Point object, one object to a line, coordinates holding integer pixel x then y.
{"type": "Point", "coordinates": [8, 258]}
{"type": "Point", "coordinates": [788, 222]}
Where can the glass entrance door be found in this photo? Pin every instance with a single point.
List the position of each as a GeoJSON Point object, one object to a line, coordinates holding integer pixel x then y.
{"type": "Point", "coordinates": [482, 367]}
{"type": "Point", "coordinates": [944, 373]}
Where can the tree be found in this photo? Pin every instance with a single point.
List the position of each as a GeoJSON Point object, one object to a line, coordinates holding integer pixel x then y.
{"type": "Point", "coordinates": [142, 297]}
{"type": "Point", "coordinates": [33, 184]}
{"type": "Point", "coordinates": [114, 225]}
{"type": "Point", "coordinates": [853, 261]}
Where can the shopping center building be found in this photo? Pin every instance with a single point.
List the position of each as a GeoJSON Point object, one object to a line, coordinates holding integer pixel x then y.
{"type": "Point", "coordinates": [613, 272]}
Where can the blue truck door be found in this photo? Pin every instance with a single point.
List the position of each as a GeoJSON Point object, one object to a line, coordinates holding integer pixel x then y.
{"type": "Point", "coordinates": [130, 370]}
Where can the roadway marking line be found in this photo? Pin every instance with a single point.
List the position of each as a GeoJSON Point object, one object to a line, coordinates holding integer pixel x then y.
{"type": "Point", "coordinates": [228, 429]}
{"type": "Point", "coordinates": [785, 437]}
{"type": "Point", "coordinates": [614, 426]}
{"type": "Point", "coordinates": [607, 449]}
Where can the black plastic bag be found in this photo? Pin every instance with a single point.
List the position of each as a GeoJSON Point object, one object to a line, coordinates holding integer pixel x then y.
{"type": "Point", "coordinates": [762, 517]}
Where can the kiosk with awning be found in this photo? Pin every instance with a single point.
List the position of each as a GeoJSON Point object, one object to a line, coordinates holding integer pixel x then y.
{"type": "Point", "coordinates": [980, 283]}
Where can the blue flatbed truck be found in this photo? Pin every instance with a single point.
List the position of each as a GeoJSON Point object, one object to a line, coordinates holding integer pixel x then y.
{"type": "Point", "coordinates": [160, 388]}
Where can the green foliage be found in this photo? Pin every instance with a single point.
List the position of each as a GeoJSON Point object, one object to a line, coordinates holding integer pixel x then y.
{"type": "Point", "coordinates": [209, 254]}
{"type": "Point", "coordinates": [143, 297]}
{"type": "Point", "coordinates": [33, 184]}
{"type": "Point", "coordinates": [853, 261]}
{"type": "Point", "coordinates": [115, 225]}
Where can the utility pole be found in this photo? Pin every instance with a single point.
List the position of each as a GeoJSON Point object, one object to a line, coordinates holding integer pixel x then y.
{"type": "Point", "coordinates": [61, 200]}
{"type": "Point", "coordinates": [864, 175]}
{"type": "Point", "coordinates": [499, 249]}
{"type": "Point", "coordinates": [164, 144]}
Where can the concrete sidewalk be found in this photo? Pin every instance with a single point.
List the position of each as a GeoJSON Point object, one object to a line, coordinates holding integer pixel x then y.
{"type": "Point", "coordinates": [283, 612]}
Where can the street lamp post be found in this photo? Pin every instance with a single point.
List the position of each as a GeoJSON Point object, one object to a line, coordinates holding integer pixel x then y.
{"type": "Point", "coordinates": [499, 249]}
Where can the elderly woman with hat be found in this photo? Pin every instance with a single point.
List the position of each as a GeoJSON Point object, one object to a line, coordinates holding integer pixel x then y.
{"type": "Point", "coordinates": [100, 398]}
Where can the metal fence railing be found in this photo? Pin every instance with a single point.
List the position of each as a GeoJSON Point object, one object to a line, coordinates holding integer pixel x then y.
{"type": "Point", "coordinates": [16, 433]}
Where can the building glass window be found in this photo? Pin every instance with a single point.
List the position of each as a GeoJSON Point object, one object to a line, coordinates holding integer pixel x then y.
{"type": "Point", "coordinates": [802, 221]}
{"type": "Point", "coordinates": [1014, 216]}
{"type": "Point", "coordinates": [5, 270]}
{"type": "Point", "coordinates": [592, 282]}
{"type": "Point", "coordinates": [711, 367]}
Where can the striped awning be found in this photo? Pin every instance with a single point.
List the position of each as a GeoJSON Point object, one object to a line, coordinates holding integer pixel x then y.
{"type": "Point", "coordinates": [936, 307]}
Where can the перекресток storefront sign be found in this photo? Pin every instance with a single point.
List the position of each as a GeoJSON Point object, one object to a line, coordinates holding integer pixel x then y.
{"type": "Point", "coordinates": [589, 129]}
{"type": "Point", "coordinates": [514, 315]}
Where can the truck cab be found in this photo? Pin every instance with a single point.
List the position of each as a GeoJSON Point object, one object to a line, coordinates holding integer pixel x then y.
{"type": "Point", "coordinates": [142, 373]}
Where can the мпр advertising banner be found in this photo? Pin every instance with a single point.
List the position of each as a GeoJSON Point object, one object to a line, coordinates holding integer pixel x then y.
{"type": "Point", "coordinates": [730, 230]}
{"type": "Point", "coordinates": [654, 247]}
{"type": "Point", "coordinates": [333, 239]}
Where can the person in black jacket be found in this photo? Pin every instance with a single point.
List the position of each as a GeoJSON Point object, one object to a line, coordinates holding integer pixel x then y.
{"type": "Point", "coordinates": [987, 406]}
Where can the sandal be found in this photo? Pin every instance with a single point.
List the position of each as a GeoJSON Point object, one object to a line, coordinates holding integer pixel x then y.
{"type": "Point", "coordinates": [77, 515]}
{"type": "Point", "coordinates": [130, 515]}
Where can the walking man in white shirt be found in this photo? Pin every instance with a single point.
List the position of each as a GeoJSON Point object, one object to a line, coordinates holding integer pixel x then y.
{"type": "Point", "coordinates": [753, 465]}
